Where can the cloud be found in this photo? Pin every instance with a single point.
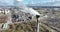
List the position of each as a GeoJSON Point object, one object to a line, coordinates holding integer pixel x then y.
{"type": "Point", "coordinates": [54, 3]}
{"type": "Point", "coordinates": [6, 2]}
{"type": "Point", "coordinates": [35, 2]}
{"type": "Point", "coordinates": [48, 3]}
{"type": "Point", "coordinates": [19, 0]}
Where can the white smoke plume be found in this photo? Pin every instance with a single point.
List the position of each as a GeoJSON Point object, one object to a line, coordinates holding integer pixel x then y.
{"type": "Point", "coordinates": [25, 9]}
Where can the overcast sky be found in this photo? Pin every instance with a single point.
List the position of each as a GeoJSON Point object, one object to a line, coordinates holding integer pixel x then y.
{"type": "Point", "coordinates": [35, 2]}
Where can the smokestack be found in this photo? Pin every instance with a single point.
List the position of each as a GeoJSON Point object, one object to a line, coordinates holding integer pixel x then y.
{"type": "Point", "coordinates": [37, 16]}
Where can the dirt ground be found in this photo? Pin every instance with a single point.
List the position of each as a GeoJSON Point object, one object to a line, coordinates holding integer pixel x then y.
{"type": "Point", "coordinates": [3, 18]}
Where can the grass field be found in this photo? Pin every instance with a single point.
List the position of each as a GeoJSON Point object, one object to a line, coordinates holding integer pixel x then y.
{"type": "Point", "coordinates": [23, 27]}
